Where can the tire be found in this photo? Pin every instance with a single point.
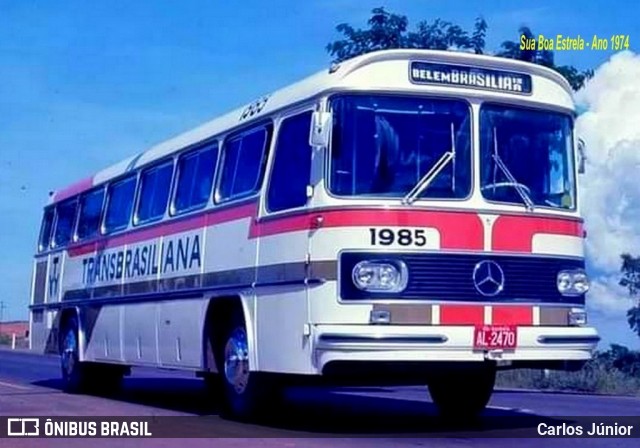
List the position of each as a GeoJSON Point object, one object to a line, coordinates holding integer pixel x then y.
{"type": "Point", "coordinates": [246, 395]}
{"type": "Point", "coordinates": [74, 373]}
{"type": "Point", "coordinates": [463, 394]}
{"type": "Point", "coordinates": [80, 377]}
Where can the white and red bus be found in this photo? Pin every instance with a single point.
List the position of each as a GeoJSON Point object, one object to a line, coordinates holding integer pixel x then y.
{"type": "Point", "coordinates": [404, 217]}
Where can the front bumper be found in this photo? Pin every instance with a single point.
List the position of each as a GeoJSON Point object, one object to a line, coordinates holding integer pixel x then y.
{"type": "Point", "coordinates": [402, 343]}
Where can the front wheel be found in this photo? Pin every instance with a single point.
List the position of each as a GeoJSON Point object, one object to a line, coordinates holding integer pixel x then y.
{"type": "Point", "coordinates": [246, 394]}
{"type": "Point", "coordinates": [463, 394]}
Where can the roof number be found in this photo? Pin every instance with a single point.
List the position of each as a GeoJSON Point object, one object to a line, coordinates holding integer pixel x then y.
{"type": "Point", "coordinates": [254, 108]}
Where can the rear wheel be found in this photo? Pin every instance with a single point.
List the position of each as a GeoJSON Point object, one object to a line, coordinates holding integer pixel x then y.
{"type": "Point", "coordinates": [463, 394]}
{"type": "Point", "coordinates": [80, 376]}
{"type": "Point", "coordinates": [246, 395]}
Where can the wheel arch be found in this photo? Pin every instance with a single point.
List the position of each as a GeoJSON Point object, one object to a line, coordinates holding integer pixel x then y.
{"type": "Point", "coordinates": [216, 319]}
{"type": "Point", "coordinates": [64, 316]}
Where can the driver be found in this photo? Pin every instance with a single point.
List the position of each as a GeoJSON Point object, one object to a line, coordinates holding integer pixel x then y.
{"type": "Point", "coordinates": [386, 155]}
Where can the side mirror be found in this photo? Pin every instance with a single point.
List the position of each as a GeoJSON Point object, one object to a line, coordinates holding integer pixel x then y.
{"type": "Point", "coordinates": [582, 156]}
{"type": "Point", "coordinates": [321, 123]}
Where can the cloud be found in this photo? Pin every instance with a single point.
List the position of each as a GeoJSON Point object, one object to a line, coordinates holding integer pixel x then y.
{"type": "Point", "coordinates": [608, 296]}
{"type": "Point", "coordinates": [610, 189]}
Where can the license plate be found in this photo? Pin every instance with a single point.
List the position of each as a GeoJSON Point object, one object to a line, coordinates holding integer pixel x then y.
{"type": "Point", "coordinates": [495, 337]}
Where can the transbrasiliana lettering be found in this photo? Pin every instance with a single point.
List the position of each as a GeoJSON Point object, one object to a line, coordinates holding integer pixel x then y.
{"type": "Point", "coordinates": [174, 255]}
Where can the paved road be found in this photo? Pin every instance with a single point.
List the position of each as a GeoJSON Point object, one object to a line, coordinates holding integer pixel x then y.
{"type": "Point", "coordinates": [316, 417]}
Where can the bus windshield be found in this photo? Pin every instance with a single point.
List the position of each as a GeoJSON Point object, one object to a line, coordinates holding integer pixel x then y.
{"type": "Point", "coordinates": [383, 146]}
{"type": "Point", "coordinates": [526, 157]}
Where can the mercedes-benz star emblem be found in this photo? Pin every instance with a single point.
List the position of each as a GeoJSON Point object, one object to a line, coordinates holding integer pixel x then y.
{"type": "Point", "coordinates": [488, 278]}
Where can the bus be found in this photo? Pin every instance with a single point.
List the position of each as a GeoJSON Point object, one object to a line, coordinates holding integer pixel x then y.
{"type": "Point", "coordinates": [403, 217]}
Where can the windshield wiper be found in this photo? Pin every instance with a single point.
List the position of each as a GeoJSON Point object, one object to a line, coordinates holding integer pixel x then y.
{"type": "Point", "coordinates": [513, 182]}
{"type": "Point", "coordinates": [436, 169]}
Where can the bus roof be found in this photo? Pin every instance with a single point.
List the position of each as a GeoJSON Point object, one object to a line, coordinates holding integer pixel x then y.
{"type": "Point", "coordinates": [306, 89]}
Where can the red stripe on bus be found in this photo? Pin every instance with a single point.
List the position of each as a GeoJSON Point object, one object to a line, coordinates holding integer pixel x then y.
{"type": "Point", "coordinates": [458, 230]}
{"type": "Point", "coordinates": [512, 315]}
{"type": "Point", "coordinates": [515, 233]}
{"type": "Point", "coordinates": [461, 315]}
{"type": "Point", "coordinates": [167, 228]}
{"type": "Point", "coordinates": [73, 189]}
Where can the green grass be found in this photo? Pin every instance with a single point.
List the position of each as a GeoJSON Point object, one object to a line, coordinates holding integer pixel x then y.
{"type": "Point", "coordinates": [594, 377]}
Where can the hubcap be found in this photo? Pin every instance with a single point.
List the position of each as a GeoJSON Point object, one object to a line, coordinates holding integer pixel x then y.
{"type": "Point", "coordinates": [69, 347]}
{"type": "Point", "coordinates": [236, 360]}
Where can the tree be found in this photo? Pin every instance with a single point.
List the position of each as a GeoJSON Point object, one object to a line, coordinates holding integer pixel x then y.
{"type": "Point", "coordinates": [478, 36]}
{"type": "Point", "coordinates": [512, 50]}
{"type": "Point", "coordinates": [621, 358]}
{"type": "Point", "coordinates": [575, 77]}
{"type": "Point", "coordinates": [387, 30]}
{"type": "Point", "coordinates": [439, 35]}
{"type": "Point", "coordinates": [631, 280]}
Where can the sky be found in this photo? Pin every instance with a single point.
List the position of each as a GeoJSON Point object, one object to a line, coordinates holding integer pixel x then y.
{"type": "Point", "coordinates": [86, 84]}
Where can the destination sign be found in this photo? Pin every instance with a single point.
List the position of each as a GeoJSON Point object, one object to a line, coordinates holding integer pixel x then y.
{"type": "Point", "coordinates": [480, 78]}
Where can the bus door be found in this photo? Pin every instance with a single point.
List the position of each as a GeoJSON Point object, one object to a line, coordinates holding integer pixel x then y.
{"type": "Point", "coordinates": [283, 245]}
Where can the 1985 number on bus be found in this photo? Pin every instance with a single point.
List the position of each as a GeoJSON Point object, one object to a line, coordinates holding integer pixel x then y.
{"type": "Point", "coordinates": [403, 237]}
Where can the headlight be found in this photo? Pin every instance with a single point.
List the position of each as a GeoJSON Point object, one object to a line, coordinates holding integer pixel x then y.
{"type": "Point", "coordinates": [380, 276]}
{"type": "Point", "coordinates": [572, 283]}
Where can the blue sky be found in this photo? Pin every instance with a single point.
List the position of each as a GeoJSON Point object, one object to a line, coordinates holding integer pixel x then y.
{"type": "Point", "coordinates": [85, 84]}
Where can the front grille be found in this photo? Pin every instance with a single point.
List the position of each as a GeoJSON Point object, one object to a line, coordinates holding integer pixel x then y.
{"type": "Point", "coordinates": [449, 277]}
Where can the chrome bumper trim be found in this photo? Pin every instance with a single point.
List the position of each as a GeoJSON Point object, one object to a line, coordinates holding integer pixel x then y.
{"type": "Point", "coordinates": [568, 339]}
{"type": "Point", "coordinates": [333, 341]}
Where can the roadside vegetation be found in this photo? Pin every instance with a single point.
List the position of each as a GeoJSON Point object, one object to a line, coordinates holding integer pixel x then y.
{"type": "Point", "coordinates": [6, 340]}
{"type": "Point", "coordinates": [615, 371]}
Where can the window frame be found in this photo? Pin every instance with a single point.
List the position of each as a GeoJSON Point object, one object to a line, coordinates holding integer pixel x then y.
{"type": "Point", "coordinates": [81, 196]}
{"type": "Point", "coordinates": [53, 244]}
{"type": "Point", "coordinates": [423, 95]}
{"type": "Point", "coordinates": [41, 247]}
{"type": "Point", "coordinates": [103, 229]}
{"type": "Point", "coordinates": [274, 154]}
{"type": "Point", "coordinates": [209, 145]}
{"type": "Point", "coordinates": [572, 159]}
{"type": "Point", "coordinates": [268, 127]}
{"type": "Point", "coordinates": [136, 221]}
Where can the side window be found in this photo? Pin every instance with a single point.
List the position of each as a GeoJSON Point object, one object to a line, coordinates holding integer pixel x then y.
{"type": "Point", "coordinates": [119, 204]}
{"type": "Point", "coordinates": [66, 212]}
{"type": "Point", "coordinates": [90, 213]}
{"type": "Point", "coordinates": [155, 184]}
{"type": "Point", "coordinates": [243, 161]}
{"type": "Point", "coordinates": [292, 165]}
{"type": "Point", "coordinates": [45, 229]}
{"type": "Point", "coordinates": [195, 179]}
